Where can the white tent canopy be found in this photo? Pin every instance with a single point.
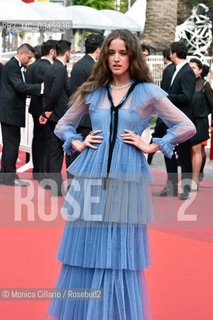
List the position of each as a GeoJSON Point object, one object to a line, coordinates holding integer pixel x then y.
{"type": "Point", "coordinates": [17, 10]}
{"type": "Point", "coordinates": [90, 18]}
{"type": "Point", "coordinates": [82, 17]}
{"type": "Point", "coordinates": [50, 11]}
{"type": "Point", "coordinates": [138, 12]}
{"type": "Point", "coordinates": [120, 20]}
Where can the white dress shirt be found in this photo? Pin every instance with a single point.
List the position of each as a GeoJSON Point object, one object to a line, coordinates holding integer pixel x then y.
{"type": "Point", "coordinates": [178, 67]}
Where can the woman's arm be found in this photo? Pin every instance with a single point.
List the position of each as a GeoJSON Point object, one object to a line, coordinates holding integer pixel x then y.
{"type": "Point", "coordinates": [134, 139]}
{"type": "Point", "coordinates": [66, 127]}
{"type": "Point", "coordinates": [180, 126]}
{"type": "Point", "coordinates": [66, 131]}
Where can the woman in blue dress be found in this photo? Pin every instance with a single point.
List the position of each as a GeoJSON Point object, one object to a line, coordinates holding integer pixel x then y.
{"type": "Point", "coordinates": [104, 247]}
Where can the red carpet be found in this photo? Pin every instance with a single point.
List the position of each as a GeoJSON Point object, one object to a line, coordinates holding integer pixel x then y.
{"type": "Point", "coordinates": [180, 279]}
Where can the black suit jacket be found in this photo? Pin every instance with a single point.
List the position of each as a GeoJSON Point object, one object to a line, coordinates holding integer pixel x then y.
{"type": "Point", "coordinates": [167, 77]}
{"type": "Point", "coordinates": [13, 93]}
{"type": "Point", "coordinates": [182, 89]}
{"type": "Point", "coordinates": [180, 93]}
{"type": "Point", "coordinates": [1, 67]}
{"type": "Point", "coordinates": [56, 91]}
{"type": "Point", "coordinates": [35, 74]}
{"type": "Point", "coordinates": [80, 73]}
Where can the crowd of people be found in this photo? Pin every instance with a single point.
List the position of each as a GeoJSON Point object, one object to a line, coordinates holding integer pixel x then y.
{"type": "Point", "coordinates": [113, 100]}
{"type": "Point", "coordinates": [49, 69]}
{"type": "Point", "coordinates": [192, 94]}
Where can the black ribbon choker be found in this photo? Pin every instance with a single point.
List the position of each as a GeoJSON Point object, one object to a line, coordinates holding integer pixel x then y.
{"type": "Point", "coordinates": [114, 121]}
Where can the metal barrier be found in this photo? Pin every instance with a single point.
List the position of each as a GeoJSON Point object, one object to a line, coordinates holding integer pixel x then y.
{"type": "Point", "coordinates": [5, 56]}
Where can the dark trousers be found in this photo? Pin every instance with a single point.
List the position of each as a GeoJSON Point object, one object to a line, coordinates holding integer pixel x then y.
{"type": "Point", "coordinates": [38, 148]}
{"type": "Point", "coordinates": [55, 154]}
{"type": "Point", "coordinates": [11, 141]}
{"type": "Point", "coordinates": [184, 160]}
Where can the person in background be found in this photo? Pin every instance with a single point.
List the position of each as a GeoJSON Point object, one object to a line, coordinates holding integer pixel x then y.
{"type": "Point", "coordinates": [35, 74]}
{"type": "Point", "coordinates": [55, 101]}
{"type": "Point", "coordinates": [79, 74]}
{"type": "Point", "coordinates": [160, 127]}
{"type": "Point", "coordinates": [204, 73]}
{"type": "Point", "coordinates": [202, 106]}
{"type": "Point", "coordinates": [38, 51]}
{"type": "Point", "coordinates": [180, 93]}
{"type": "Point", "coordinates": [37, 55]}
{"type": "Point", "coordinates": [168, 70]}
{"type": "Point", "coordinates": [1, 68]}
{"type": "Point", "coordinates": [13, 93]}
{"type": "Point", "coordinates": [146, 51]}
{"type": "Point", "coordinates": [83, 68]}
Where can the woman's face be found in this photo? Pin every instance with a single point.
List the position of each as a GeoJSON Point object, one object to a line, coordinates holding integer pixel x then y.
{"type": "Point", "coordinates": [118, 59]}
{"type": "Point", "coordinates": [195, 68]}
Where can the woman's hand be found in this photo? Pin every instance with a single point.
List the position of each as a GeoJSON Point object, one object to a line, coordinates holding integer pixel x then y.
{"type": "Point", "coordinates": [134, 139]}
{"type": "Point", "coordinates": [88, 141]}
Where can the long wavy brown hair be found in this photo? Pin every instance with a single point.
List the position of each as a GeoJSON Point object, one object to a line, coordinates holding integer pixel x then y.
{"type": "Point", "coordinates": [102, 75]}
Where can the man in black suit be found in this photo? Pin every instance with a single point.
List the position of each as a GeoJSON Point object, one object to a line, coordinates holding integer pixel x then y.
{"type": "Point", "coordinates": [80, 73]}
{"type": "Point", "coordinates": [1, 68]}
{"type": "Point", "coordinates": [55, 101]}
{"type": "Point", "coordinates": [180, 94]}
{"type": "Point", "coordinates": [160, 127]}
{"type": "Point", "coordinates": [35, 74]}
{"type": "Point", "coordinates": [168, 71]}
{"type": "Point", "coordinates": [13, 93]}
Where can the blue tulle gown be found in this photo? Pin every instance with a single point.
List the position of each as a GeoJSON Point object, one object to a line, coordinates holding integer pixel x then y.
{"type": "Point", "coordinates": [105, 240]}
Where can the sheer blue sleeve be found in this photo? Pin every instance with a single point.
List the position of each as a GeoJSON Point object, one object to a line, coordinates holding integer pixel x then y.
{"type": "Point", "coordinates": [66, 127]}
{"type": "Point", "coordinates": [180, 127]}
{"type": "Point", "coordinates": [150, 101]}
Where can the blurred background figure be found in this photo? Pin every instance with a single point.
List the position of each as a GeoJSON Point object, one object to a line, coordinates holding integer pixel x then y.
{"type": "Point", "coordinates": [180, 93]}
{"type": "Point", "coordinates": [202, 103]}
{"type": "Point", "coordinates": [1, 67]}
{"type": "Point", "coordinates": [80, 73]}
{"type": "Point", "coordinates": [204, 73]}
{"type": "Point", "coordinates": [146, 51]}
{"type": "Point", "coordinates": [38, 51]}
{"type": "Point", "coordinates": [55, 104]}
{"type": "Point", "coordinates": [35, 74]}
{"type": "Point", "coordinates": [160, 127]}
{"type": "Point", "coordinates": [13, 93]}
